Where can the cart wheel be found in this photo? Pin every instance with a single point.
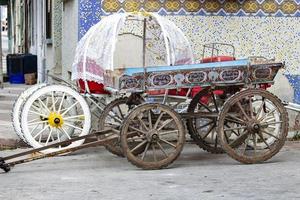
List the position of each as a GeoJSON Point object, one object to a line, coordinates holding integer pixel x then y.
{"type": "Point", "coordinates": [203, 130]}
{"type": "Point", "coordinates": [112, 117]}
{"type": "Point", "coordinates": [48, 116]}
{"type": "Point", "coordinates": [17, 108]}
{"type": "Point", "coordinates": [96, 105]}
{"type": "Point", "coordinates": [255, 133]}
{"type": "Point", "coordinates": [157, 130]}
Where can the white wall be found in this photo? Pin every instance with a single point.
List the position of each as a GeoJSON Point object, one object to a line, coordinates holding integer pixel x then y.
{"type": "Point", "coordinates": [50, 58]}
{"type": "Point", "coordinates": [69, 35]}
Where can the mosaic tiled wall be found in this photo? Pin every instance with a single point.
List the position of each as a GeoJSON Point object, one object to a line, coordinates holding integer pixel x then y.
{"type": "Point", "coordinates": [255, 27]}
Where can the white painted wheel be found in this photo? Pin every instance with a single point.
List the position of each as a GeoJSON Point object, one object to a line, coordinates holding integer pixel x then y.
{"type": "Point", "coordinates": [17, 109]}
{"type": "Point", "coordinates": [47, 118]}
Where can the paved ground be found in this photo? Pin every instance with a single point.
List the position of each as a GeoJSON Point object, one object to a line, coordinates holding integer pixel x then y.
{"type": "Point", "coordinates": [96, 174]}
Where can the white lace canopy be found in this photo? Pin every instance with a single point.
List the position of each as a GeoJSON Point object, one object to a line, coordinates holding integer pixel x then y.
{"type": "Point", "coordinates": [165, 44]}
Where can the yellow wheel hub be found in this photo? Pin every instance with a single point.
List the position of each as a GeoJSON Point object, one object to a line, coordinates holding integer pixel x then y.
{"type": "Point", "coordinates": [55, 120]}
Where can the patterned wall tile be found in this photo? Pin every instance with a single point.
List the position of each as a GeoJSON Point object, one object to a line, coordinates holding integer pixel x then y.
{"type": "Point", "coordinates": [207, 7]}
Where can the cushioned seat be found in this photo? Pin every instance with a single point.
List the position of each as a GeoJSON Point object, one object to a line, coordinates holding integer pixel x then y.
{"type": "Point", "coordinates": [217, 59]}
{"type": "Point", "coordinates": [95, 88]}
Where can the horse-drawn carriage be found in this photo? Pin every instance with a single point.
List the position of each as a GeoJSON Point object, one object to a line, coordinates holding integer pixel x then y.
{"type": "Point", "coordinates": [222, 102]}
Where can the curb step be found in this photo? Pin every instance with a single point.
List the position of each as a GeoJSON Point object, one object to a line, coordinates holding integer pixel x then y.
{"type": "Point", "coordinates": [9, 94]}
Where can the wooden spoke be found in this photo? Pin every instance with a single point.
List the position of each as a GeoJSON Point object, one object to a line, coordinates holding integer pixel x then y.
{"type": "Point", "coordinates": [226, 137]}
{"type": "Point", "coordinates": [153, 151]}
{"type": "Point", "coordinates": [242, 110]}
{"type": "Point", "coordinates": [235, 128]}
{"type": "Point", "coordinates": [266, 132]}
{"type": "Point", "coordinates": [260, 108]}
{"type": "Point", "coordinates": [215, 102]}
{"type": "Point", "coordinates": [162, 149]}
{"type": "Point", "coordinates": [167, 142]}
{"type": "Point", "coordinates": [246, 144]}
{"type": "Point", "coordinates": [271, 123]}
{"type": "Point", "coordinates": [134, 139]}
{"type": "Point", "coordinates": [168, 132]}
{"type": "Point", "coordinates": [165, 123]}
{"type": "Point", "coordinates": [158, 120]}
{"type": "Point", "coordinates": [216, 142]}
{"type": "Point", "coordinates": [251, 108]}
{"type": "Point", "coordinates": [267, 119]}
{"type": "Point", "coordinates": [234, 119]}
{"type": "Point", "coordinates": [145, 151]}
{"type": "Point", "coordinates": [120, 111]}
{"type": "Point", "coordinates": [205, 125]}
{"type": "Point", "coordinates": [142, 123]}
{"type": "Point", "coordinates": [262, 138]}
{"type": "Point", "coordinates": [205, 106]}
{"type": "Point", "coordinates": [240, 139]}
{"type": "Point", "coordinates": [112, 115]}
{"type": "Point", "coordinates": [236, 133]}
{"type": "Point", "coordinates": [150, 119]}
{"type": "Point", "coordinates": [208, 131]}
{"type": "Point", "coordinates": [138, 130]}
{"type": "Point", "coordinates": [254, 144]}
{"type": "Point", "coordinates": [267, 114]}
{"type": "Point", "coordinates": [138, 146]}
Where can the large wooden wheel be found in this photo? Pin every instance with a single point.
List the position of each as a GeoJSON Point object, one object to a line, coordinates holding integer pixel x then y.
{"type": "Point", "coordinates": [202, 129]}
{"type": "Point", "coordinates": [257, 126]}
{"type": "Point", "coordinates": [158, 135]}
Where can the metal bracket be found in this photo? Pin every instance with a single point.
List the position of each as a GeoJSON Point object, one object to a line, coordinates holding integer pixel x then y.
{"type": "Point", "coordinates": [4, 165]}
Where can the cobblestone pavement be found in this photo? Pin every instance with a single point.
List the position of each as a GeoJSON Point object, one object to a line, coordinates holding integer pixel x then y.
{"type": "Point", "coordinates": [96, 174]}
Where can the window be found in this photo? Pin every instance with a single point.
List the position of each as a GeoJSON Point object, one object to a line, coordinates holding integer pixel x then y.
{"type": "Point", "coordinates": [48, 19]}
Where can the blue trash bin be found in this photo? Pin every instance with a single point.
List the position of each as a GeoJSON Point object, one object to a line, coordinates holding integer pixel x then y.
{"type": "Point", "coordinates": [20, 64]}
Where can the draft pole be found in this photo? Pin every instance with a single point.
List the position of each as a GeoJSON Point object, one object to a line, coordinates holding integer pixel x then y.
{"type": "Point", "coordinates": [1, 63]}
{"type": "Point", "coordinates": [144, 49]}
